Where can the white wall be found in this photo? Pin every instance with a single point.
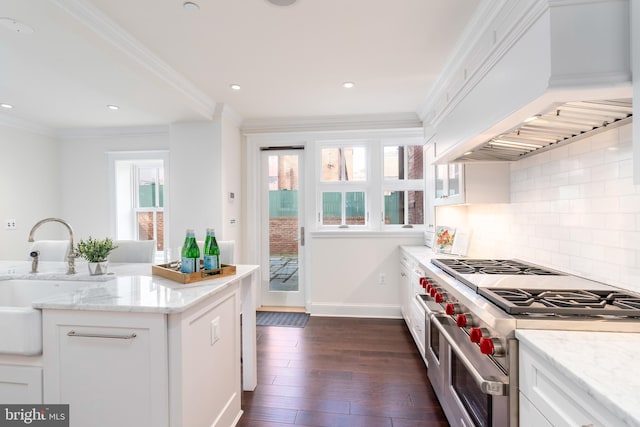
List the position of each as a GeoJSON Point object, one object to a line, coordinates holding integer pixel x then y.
{"type": "Point", "coordinates": [195, 158]}
{"type": "Point", "coordinates": [85, 178]}
{"type": "Point", "coordinates": [346, 275]}
{"type": "Point", "coordinates": [29, 189]}
{"type": "Point", "coordinates": [232, 183]}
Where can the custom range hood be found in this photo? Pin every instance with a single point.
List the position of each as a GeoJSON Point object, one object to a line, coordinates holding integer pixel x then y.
{"type": "Point", "coordinates": [562, 124]}
{"type": "Point", "coordinates": [530, 76]}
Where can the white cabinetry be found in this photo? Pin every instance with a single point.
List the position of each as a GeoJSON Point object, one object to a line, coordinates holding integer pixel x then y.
{"type": "Point", "coordinates": [549, 398]}
{"type": "Point", "coordinates": [146, 369]}
{"type": "Point", "coordinates": [20, 384]}
{"type": "Point", "coordinates": [412, 311]}
{"type": "Point", "coordinates": [458, 183]}
{"type": "Point", "coordinates": [111, 368]}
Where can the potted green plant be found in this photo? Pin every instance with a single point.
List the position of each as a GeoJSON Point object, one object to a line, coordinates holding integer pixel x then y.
{"type": "Point", "coordinates": [95, 251]}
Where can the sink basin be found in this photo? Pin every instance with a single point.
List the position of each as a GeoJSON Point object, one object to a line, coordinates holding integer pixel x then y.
{"type": "Point", "coordinates": [21, 331]}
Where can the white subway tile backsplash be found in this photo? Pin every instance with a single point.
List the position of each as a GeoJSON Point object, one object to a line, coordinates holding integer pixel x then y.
{"type": "Point", "coordinates": [576, 209]}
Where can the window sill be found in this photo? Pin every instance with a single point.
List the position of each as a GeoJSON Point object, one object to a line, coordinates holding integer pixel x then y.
{"type": "Point", "coordinates": [347, 233]}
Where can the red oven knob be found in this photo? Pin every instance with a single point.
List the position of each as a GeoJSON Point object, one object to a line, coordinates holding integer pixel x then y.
{"type": "Point", "coordinates": [450, 309]}
{"type": "Point", "coordinates": [438, 297]}
{"type": "Point", "coordinates": [433, 291]}
{"type": "Point", "coordinates": [465, 320]}
{"type": "Point", "coordinates": [475, 335]}
{"type": "Point", "coordinates": [491, 346]}
{"type": "Point", "coordinates": [429, 287]}
{"type": "Point", "coordinates": [461, 320]}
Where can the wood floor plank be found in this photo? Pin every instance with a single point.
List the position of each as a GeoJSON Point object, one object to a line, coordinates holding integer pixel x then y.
{"type": "Point", "coordinates": [340, 372]}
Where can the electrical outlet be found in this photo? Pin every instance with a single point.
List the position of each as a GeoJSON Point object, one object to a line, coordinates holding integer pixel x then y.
{"type": "Point", "coordinates": [10, 224]}
{"type": "Point", "coordinates": [382, 279]}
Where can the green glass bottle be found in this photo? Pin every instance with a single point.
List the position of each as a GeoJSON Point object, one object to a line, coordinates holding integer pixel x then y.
{"type": "Point", "coordinates": [190, 254]}
{"type": "Point", "coordinates": [211, 251]}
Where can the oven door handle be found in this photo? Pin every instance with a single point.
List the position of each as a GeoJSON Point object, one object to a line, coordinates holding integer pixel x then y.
{"type": "Point", "coordinates": [488, 386]}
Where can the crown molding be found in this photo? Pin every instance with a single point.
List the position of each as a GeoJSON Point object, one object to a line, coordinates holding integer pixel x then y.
{"type": "Point", "coordinates": [13, 122]}
{"type": "Point", "coordinates": [106, 132]}
{"type": "Point", "coordinates": [102, 25]}
{"type": "Point", "coordinates": [332, 123]}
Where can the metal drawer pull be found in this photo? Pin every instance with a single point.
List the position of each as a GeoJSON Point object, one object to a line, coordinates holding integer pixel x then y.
{"type": "Point", "coordinates": [117, 337]}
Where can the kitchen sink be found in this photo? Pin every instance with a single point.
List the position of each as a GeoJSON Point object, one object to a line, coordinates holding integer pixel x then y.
{"type": "Point", "coordinates": [21, 331]}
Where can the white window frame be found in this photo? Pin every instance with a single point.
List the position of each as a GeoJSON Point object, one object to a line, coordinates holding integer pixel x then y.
{"type": "Point", "coordinates": [391, 184]}
{"type": "Point", "coordinates": [343, 187]}
{"type": "Point", "coordinates": [134, 157]}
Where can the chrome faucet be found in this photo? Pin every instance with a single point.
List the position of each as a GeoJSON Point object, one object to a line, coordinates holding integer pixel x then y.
{"type": "Point", "coordinates": [71, 256]}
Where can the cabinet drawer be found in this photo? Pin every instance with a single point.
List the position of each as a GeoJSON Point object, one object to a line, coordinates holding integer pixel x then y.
{"type": "Point", "coordinates": [557, 398]}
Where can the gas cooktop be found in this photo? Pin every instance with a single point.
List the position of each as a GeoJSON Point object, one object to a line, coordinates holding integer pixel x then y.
{"type": "Point", "coordinates": [560, 302]}
{"type": "Point", "coordinates": [492, 266]}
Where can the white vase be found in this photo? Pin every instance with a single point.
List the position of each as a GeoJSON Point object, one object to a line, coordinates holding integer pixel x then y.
{"type": "Point", "coordinates": [97, 268]}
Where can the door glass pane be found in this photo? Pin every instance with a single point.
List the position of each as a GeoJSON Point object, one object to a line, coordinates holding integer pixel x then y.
{"type": "Point", "coordinates": [283, 222]}
{"type": "Point", "coordinates": [354, 208]}
{"type": "Point", "coordinates": [332, 208]}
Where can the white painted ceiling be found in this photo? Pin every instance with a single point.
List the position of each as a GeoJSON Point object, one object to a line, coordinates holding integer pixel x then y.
{"type": "Point", "coordinates": [162, 64]}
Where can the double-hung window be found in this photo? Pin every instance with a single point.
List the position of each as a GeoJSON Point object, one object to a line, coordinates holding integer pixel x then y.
{"type": "Point", "coordinates": [403, 185]}
{"type": "Point", "coordinates": [343, 185]}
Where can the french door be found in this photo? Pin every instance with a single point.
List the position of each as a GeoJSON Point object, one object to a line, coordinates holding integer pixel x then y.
{"type": "Point", "coordinates": [282, 236]}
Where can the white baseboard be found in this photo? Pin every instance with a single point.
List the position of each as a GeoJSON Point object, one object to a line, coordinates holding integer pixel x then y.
{"type": "Point", "coordinates": [356, 310]}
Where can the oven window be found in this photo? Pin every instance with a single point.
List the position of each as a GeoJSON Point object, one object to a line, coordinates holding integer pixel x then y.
{"type": "Point", "coordinates": [476, 403]}
{"type": "Point", "coordinates": [434, 341]}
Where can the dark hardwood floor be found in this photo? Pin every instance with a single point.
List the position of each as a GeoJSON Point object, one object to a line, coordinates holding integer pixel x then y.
{"type": "Point", "coordinates": [340, 372]}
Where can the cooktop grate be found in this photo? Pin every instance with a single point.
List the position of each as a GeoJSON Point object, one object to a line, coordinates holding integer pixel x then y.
{"type": "Point", "coordinates": [564, 302]}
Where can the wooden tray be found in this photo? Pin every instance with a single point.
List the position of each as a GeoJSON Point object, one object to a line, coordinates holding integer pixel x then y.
{"type": "Point", "coordinates": [171, 271]}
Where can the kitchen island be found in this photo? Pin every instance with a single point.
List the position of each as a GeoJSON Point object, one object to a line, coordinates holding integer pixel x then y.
{"type": "Point", "coordinates": [130, 348]}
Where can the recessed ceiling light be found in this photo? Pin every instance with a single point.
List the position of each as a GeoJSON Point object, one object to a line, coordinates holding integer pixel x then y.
{"type": "Point", "coordinates": [191, 6]}
{"type": "Point", "coordinates": [16, 26]}
{"type": "Point", "coordinates": [7, 106]}
{"type": "Point", "coordinates": [235, 86]}
{"type": "Point", "coordinates": [348, 85]}
{"type": "Point", "coordinates": [282, 2]}
{"type": "Point", "coordinates": [113, 107]}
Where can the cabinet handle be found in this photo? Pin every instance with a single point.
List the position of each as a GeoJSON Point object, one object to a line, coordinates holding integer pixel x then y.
{"type": "Point", "coordinates": [117, 337]}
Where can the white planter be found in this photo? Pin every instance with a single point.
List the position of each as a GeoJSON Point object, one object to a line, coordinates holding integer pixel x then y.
{"type": "Point", "coordinates": [97, 268]}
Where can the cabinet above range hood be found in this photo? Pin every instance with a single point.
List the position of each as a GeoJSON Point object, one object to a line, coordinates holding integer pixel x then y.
{"type": "Point", "coordinates": [530, 76]}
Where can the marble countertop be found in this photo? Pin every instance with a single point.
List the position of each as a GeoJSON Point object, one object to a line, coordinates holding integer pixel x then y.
{"type": "Point", "coordinates": [603, 364]}
{"type": "Point", "coordinates": [127, 287]}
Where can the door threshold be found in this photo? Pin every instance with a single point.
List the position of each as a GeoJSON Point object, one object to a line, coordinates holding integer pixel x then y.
{"type": "Point", "coordinates": [282, 309]}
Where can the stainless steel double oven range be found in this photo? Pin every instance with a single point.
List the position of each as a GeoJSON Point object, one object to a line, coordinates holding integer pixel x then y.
{"type": "Point", "coordinates": [473, 308]}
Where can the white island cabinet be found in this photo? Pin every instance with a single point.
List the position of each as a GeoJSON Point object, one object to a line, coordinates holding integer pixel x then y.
{"type": "Point", "coordinates": [142, 351]}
